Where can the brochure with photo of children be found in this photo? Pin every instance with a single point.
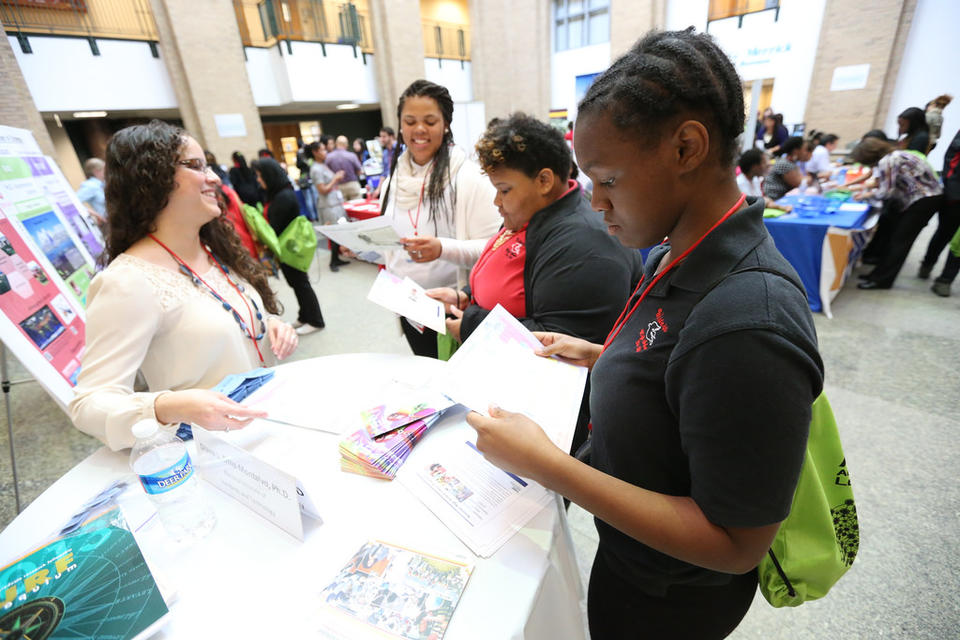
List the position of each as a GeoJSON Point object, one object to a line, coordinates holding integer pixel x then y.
{"type": "Point", "coordinates": [388, 591]}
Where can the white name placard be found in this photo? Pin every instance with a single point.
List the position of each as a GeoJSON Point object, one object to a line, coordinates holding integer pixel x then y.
{"type": "Point", "coordinates": [264, 489]}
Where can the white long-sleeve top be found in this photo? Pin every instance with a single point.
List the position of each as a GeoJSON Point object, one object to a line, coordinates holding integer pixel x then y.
{"type": "Point", "coordinates": [475, 221]}
{"type": "Point", "coordinates": [147, 318]}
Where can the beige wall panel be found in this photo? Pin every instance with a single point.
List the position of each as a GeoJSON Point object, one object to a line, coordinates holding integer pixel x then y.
{"type": "Point", "coordinates": [398, 59]}
{"type": "Point", "coordinates": [854, 33]}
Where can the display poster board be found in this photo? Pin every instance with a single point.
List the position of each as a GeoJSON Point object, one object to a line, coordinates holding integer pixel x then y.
{"type": "Point", "coordinates": [45, 267]}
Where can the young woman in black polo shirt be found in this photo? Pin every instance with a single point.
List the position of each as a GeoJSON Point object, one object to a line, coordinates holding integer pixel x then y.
{"type": "Point", "coordinates": [701, 394]}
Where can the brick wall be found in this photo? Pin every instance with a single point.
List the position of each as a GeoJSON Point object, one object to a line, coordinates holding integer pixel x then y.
{"type": "Point", "coordinates": [16, 104]}
{"type": "Point", "coordinates": [204, 56]}
{"type": "Point", "coordinates": [854, 33]}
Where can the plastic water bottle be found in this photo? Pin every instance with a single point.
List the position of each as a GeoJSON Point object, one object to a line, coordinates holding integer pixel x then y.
{"type": "Point", "coordinates": [162, 462]}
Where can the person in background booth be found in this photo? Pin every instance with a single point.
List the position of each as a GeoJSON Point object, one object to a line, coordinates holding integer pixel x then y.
{"type": "Point", "coordinates": [785, 176]}
{"type": "Point", "coordinates": [909, 184]}
{"type": "Point", "coordinates": [553, 266]}
{"type": "Point", "coordinates": [244, 181]}
{"type": "Point", "coordinates": [754, 166]}
{"type": "Point", "coordinates": [438, 199]}
{"type": "Point", "coordinates": [181, 301]}
{"type": "Point", "coordinates": [707, 379]}
{"type": "Point", "coordinates": [914, 133]}
{"type": "Point", "coordinates": [774, 134]}
{"type": "Point", "coordinates": [329, 200]}
{"type": "Point", "coordinates": [947, 225]}
{"type": "Point", "coordinates": [281, 209]}
{"type": "Point", "coordinates": [91, 193]}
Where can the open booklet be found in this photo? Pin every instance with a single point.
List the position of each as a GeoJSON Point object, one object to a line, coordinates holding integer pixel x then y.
{"type": "Point", "coordinates": [498, 365]}
{"type": "Point", "coordinates": [386, 591]}
{"type": "Point", "coordinates": [479, 502]}
{"type": "Point", "coordinates": [405, 297]}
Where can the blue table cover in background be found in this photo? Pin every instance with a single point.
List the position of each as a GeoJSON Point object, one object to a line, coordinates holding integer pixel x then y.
{"type": "Point", "coordinates": [800, 238]}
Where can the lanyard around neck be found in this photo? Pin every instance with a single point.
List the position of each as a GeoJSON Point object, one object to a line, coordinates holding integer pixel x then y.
{"type": "Point", "coordinates": [247, 330]}
{"type": "Point", "coordinates": [625, 314]}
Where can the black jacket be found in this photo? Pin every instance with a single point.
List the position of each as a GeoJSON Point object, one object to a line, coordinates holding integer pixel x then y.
{"type": "Point", "coordinates": [576, 277]}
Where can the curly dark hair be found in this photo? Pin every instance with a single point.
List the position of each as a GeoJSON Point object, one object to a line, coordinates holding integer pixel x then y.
{"type": "Point", "coordinates": [441, 162]}
{"type": "Point", "coordinates": [523, 143]}
{"type": "Point", "coordinates": [140, 176]}
{"type": "Point", "coordinates": [669, 75]}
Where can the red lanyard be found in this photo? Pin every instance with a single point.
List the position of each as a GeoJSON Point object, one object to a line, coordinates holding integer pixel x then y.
{"type": "Point", "coordinates": [625, 315]}
{"type": "Point", "coordinates": [416, 223]}
{"type": "Point", "coordinates": [247, 331]}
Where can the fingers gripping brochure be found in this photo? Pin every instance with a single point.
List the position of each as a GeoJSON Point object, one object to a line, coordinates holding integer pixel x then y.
{"type": "Point", "coordinates": [405, 297]}
{"type": "Point", "coordinates": [498, 365]}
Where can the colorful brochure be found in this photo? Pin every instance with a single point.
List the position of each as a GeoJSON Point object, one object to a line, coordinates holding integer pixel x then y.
{"type": "Point", "coordinates": [382, 457]}
{"type": "Point", "coordinates": [386, 591]}
{"type": "Point", "coordinates": [405, 297]}
{"type": "Point", "coordinates": [402, 406]}
{"type": "Point", "coordinates": [92, 583]}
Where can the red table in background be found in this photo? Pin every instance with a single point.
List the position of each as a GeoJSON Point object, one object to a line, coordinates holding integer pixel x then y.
{"type": "Point", "coordinates": [361, 209]}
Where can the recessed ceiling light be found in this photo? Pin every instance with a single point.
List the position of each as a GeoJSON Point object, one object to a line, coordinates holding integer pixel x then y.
{"type": "Point", "coordinates": [345, 107]}
{"type": "Point", "coordinates": [90, 114]}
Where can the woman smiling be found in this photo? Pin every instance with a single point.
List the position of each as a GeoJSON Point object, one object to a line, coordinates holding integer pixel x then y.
{"type": "Point", "coordinates": [437, 198]}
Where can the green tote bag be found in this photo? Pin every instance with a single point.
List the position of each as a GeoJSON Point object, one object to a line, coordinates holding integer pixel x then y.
{"type": "Point", "coordinates": [298, 243]}
{"type": "Point", "coordinates": [818, 541]}
{"type": "Point", "coordinates": [261, 228]}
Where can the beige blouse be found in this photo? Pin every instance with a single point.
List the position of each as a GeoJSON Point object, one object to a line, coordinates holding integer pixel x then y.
{"type": "Point", "coordinates": [144, 317]}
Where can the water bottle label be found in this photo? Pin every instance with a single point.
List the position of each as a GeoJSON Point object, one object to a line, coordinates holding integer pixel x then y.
{"type": "Point", "coordinates": [169, 478]}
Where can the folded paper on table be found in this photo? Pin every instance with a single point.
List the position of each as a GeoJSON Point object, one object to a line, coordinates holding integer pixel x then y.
{"type": "Point", "coordinates": [405, 297]}
{"type": "Point", "coordinates": [382, 457]}
{"type": "Point", "coordinates": [480, 503]}
{"type": "Point", "coordinates": [402, 404]}
{"type": "Point", "coordinates": [498, 365]}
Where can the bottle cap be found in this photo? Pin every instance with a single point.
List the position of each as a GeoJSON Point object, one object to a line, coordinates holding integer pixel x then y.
{"type": "Point", "coordinates": [145, 428]}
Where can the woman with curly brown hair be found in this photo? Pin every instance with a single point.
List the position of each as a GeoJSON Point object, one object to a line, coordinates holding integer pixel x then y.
{"type": "Point", "coordinates": [180, 301]}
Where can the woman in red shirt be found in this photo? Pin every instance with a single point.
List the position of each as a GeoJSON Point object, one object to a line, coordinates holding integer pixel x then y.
{"type": "Point", "coordinates": [552, 265]}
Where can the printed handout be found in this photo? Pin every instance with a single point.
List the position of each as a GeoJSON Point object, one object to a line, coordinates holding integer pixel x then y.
{"type": "Point", "coordinates": [480, 503]}
{"type": "Point", "coordinates": [376, 234]}
{"type": "Point", "coordinates": [498, 365]}
{"type": "Point", "coordinates": [391, 591]}
{"type": "Point", "coordinates": [408, 299]}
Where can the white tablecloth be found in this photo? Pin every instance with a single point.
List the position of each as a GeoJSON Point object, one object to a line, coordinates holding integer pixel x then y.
{"type": "Point", "coordinates": [251, 579]}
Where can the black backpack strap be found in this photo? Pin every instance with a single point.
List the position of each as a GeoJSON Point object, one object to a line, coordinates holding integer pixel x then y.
{"type": "Point", "coordinates": [759, 268]}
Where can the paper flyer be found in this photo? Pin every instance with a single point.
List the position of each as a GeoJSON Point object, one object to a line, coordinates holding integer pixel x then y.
{"type": "Point", "coordinates": [405, 297]}
{"type": "Point", "coordinates": [498, 365]}
{"type": "Point", "coordinates": [93, 583]}
{"type": "Point", "coordinates": [402, 404]}
{"type": "Point", "coordinates": [387, 591]}
{"type": "Point", "coordinates": [376, 235]}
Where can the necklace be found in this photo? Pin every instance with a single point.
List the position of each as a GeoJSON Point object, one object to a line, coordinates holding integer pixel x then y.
{"type": "Point", "coordinates": [625, 314]}
{"type": "Point", "coordinates": [503, 237]}
{"type": "Point", "coordinates": [198, 281]}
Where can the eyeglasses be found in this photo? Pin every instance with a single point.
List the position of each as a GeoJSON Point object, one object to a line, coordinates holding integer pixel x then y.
{"type": "Point", "coordinates": [196, 164]}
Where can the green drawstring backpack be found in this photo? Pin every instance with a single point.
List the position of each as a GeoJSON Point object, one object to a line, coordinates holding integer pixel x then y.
{"type": "Point", "coordinates": [819, 539]}
{"type": "Point", "coordinates": [298, 244]}
{"type": "Point", "coordinates": [260, 228]}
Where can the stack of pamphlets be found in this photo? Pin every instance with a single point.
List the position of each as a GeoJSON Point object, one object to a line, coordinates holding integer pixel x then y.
{"type": "Point", "coordinates": [388, 432]}
{"type": "Point", "coordinates": [393, 592]}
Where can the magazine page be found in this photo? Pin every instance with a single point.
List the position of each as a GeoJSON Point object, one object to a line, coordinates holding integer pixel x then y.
{"type": "Point", "coordinates": [388, 591]}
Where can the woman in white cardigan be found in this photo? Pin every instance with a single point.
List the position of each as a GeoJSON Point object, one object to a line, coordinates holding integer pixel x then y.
{"type": "Point", "coordinates": [438, 199]}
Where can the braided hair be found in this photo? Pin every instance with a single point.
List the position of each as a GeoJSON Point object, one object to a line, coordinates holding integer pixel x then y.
{"type": "Point", "coordinates": [668, 75]}
{"type": "Point", "coordinates": [440, 174]}
{"type": "Point", "coordinates": [523, 143]}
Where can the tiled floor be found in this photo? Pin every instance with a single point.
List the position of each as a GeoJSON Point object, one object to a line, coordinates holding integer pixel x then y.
{"type": "Point", "coordinates": [892, 377]}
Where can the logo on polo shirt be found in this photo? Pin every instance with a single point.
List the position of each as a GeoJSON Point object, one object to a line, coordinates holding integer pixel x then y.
{"type": "Point", "coordinates": [513, 251]}
{"type": "Point", "coordinates": [649, 334]}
